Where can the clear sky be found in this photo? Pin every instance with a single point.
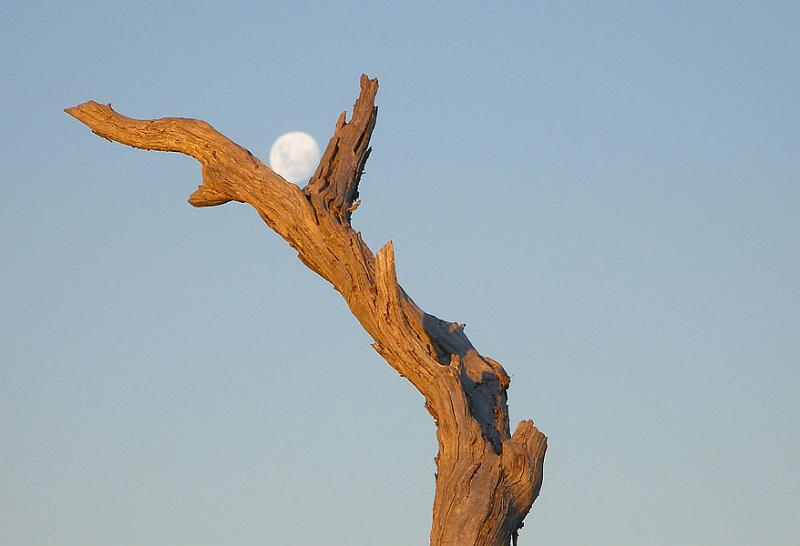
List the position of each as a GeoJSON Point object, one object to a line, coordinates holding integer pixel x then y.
{"type": "Point", "coordinates": [606, 194]}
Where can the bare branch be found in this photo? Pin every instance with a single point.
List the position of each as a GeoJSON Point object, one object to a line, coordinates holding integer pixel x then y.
{"type": "Point", "coordinates": [487, 479]}
{"type": "Point", "coordinates": [334, 186]}
{"type": "Point", "coordinates": [230, 172]}
{"type": "Point", "coordinates": [523, 461]}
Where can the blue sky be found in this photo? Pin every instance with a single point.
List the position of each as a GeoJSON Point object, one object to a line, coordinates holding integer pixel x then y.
{"type": "Point", "coordinates": [605, 193]}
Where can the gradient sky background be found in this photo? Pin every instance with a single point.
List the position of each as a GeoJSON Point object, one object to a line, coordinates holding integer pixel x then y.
{"type": "Point", "coordinates": [605, 193]}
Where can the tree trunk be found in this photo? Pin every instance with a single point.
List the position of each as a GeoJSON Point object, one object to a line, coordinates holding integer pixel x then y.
{"type": "Point", "coordinates": [487, 479]}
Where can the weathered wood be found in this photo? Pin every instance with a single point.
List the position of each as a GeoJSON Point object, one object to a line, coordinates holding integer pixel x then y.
{"type": "Point", "coordinates": [487, 479]}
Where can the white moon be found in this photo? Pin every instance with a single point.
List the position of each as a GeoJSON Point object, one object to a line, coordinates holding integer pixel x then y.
{"type": "Point", "coordinates": [294, 156]}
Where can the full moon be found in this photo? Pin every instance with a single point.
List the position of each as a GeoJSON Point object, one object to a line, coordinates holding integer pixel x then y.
{"type": "Point", "coordinates": [294, 156]}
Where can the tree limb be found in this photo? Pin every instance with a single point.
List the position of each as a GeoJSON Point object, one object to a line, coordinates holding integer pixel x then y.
{"type": "Point", "coordinates": [486, 478]}
{"type": "Point", "coordinates": [334, 186]}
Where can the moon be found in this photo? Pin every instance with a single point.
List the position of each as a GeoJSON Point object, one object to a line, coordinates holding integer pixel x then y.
{"type": "Point", "coordinates": [294, 156]}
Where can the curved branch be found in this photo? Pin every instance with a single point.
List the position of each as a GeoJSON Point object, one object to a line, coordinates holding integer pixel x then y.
{"type": "Point", "coordinates": [230, 172]}
{"type": "Point", "coordinates": [487, 479]}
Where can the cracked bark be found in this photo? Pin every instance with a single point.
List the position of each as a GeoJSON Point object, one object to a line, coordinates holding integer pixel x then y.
{"type": "Point", "coordinates": [487, 478]}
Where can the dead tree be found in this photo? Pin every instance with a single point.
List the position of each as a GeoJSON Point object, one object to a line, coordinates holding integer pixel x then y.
{"type": "Point", "coordinates": [487, 478]}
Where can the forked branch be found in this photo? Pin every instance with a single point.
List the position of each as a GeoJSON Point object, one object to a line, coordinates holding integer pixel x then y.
{"type": "Point", "coordinates": [486, 478]}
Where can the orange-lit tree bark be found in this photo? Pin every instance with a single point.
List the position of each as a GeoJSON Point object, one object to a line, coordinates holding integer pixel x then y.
{"type": "Point", "coordinates": [487, 478]}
